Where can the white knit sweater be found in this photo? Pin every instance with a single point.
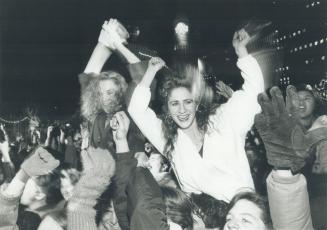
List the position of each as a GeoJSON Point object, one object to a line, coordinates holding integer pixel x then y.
{"type": "Point", "coordinates": [223, 170]}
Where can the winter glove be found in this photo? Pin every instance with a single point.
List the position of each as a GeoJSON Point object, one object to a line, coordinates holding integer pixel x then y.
{"type": "Point", "coordinates": [286, 143]}
{"type": "Point", "coordinates": [41, 162]}
{"type": "Point", "coordinates": [98, 169]}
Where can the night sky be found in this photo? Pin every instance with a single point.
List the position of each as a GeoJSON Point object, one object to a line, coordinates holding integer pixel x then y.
{"type": "Point", "coordinates": [45, 44]}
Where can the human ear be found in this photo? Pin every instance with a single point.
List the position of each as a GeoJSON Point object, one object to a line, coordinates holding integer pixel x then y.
{"type": "Point", "coordinates": [40, 195]}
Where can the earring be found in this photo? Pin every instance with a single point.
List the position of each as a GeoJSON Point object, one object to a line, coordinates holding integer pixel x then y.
{"type": "Point", "coordinates": [169, 119]}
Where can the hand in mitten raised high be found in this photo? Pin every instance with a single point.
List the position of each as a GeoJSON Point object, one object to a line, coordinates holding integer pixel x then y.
{"type": "Point", "coordinates": [41, 162]}
{"type": "Point", "coordinates": [98, 168]}
{"type": "Point", "coordinates": [286, 142]}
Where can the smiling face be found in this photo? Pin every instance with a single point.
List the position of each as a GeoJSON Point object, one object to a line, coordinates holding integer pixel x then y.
{"type": "Point", "coordinates": [182, 107]}
{"type": "Point", "coordinates": [307, 104]}
{"type": "Point", "coordinates": [244, 215]}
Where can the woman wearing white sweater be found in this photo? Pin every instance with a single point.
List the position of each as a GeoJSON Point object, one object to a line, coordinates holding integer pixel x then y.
{"type": "Point", "coordinates": [206, 148]}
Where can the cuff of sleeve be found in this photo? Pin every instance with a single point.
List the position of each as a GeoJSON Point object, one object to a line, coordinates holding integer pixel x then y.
{"type": "Point", "coordinates": [81, 218]}
{"type": "Point", "coordinates": [283, 179]}
{"type": "Point", "coordinates": [7, 200]}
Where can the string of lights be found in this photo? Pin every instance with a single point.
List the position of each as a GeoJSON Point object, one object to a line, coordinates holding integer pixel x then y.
{"type": "Point", "coordinates": [14, 122]}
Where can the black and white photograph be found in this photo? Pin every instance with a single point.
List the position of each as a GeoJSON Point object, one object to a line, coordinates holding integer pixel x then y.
{"type": "Point", "coordinates": [163, 115]}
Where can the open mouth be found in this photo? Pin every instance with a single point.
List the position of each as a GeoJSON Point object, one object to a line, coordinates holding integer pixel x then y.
{"type": "Point", "coordinates": [183, 118]}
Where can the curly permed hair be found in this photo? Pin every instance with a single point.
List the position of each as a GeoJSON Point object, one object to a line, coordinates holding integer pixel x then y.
{"type": "Point", "coordinates": [91, 103]}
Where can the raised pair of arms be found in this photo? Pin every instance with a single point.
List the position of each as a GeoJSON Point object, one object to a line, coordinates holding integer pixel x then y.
{"type": "Point", "coordinates": [112, 38]}
{"type": "Point", "coordinates": [41, 162]}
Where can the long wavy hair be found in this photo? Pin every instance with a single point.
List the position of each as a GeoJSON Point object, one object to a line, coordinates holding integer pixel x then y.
{"type": "Point", "coordinates": [190, 78]}
{"type": "Point", "coordinates": [91, 102]}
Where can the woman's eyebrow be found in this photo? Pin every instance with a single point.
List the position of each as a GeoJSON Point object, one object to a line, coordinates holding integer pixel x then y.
{"type": "Point", "coordinates": [250, 215]}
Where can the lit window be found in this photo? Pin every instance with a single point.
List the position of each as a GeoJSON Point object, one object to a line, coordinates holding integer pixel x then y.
{"type": "Point", "coordinates": [310, 44]}
{"type": "Point", "coordinates": [303, 30]}
{"type": "Point", "coordinates": [295, 49]}
{"type": "Point", "coordinates": [306, 62]}
{"type": "Point", "coordinates": [322, 41]}
{"type": "Point", "coordinates": [287, 67]}
{"type": "Point", "coordinates": [294, 34]}
{"type": "Point", "coordinates": [323, 58]}
{"type": "Point", "coordinates": [318, 3]}
{"type": "Point", "coordinates": [316, 43]}
{"type": "Point", "coordinates": [307, 6]}
{"type": "Point", "coordinates": [312, 4]}
{"type": "Point", "coordinates": [299, 31]}
{"type": "Point", "coordinates": [276, 31]}
{"type": "Point", "coordinates": [291, 51]}
{"type": "Point", "coordinates": [277, 40]}
{"type": "Point", "coordinates": [300, 48]}
{"type": "Point", "coordinates": [305, 46]}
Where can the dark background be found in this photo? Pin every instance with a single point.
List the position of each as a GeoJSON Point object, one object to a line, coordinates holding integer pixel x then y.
{"type": "Point", "coordinates": [44, 44]}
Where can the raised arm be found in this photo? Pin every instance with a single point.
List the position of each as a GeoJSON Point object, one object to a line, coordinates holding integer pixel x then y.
{"type": "Point", "coordinates": [139, 110]}
{"type": "Point", "coordinates": [98, 169]}
{"type": "Point", "coordinates": [244, 101]}
{"type": "Point", "coordinates": [40, 163]}
{"type": "Point", "coordinates": [7, 164]}
{"type": "Point", "coordinates": [112, 33]}
{"type": "Point", "coordinates": [125, 164]}
{"type": "Point", "coordinates": [287, 147]}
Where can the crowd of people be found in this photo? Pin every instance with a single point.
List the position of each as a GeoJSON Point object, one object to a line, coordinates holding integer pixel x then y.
{"type": "Point", "coordinates": [167, 155]}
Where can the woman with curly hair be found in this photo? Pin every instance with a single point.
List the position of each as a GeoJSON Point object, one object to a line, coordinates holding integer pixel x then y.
{"type": "Point", "coordinates": [205, 144]}
{"type": "Point", "coordinates": [102, 93]}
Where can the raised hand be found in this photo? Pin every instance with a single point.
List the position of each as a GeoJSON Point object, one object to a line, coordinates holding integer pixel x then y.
{"type": "Point", "coordinates": [112, 34]}
{"type": "Point", "coordinates": [120, 125]}
{"type": "Point", "coordinates": [49, 131]}
{"type": "Point", "coordinates": [4, 149]}
{"type": "Point", "coordinates": [40, 163]}
{"type": "Point", "coordinates": [98, 161]}
{"type": "Point", "coordinates": [224, 90]}
{"type": "Point", "coordinates": [240, 39]}
{"type": "Point", "coordinates": [286, 143]}
{"type": "Point", "coordinates": [155, 64]}
{"type": "Point", "coordinates": [98, 169]}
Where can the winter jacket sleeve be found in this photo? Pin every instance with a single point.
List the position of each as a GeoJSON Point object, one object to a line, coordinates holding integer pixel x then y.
{"type": "Point", "coordinates": [146, 203]}
{"type": "Point", "coordinates": [289, 202]}
{"type": "Point", "coordinates": [8, 211]}
{"type": "Point", "coordinates": [125, 164]}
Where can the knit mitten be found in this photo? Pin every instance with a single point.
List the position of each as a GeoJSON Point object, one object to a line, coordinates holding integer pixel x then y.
{"type": "Point", "coordinates": [41, 162]}
{"type": "Point", "coordinates": [98, 169]}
